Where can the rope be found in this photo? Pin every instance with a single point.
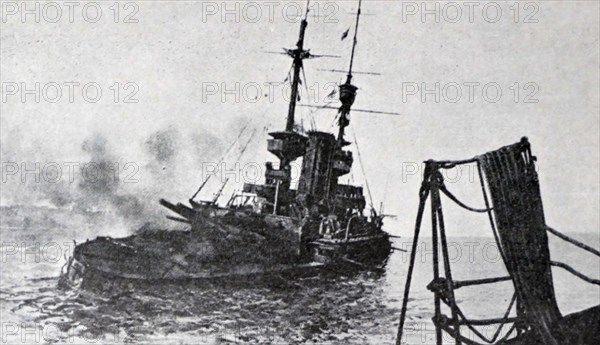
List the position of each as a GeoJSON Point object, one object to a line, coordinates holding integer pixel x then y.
{"type": "Point", "coordinates": [575, 272]}
{"type": "Point", "coordinates": [504, 320]}
{"type": "Point", "coordinates": [362, 168]}
{"type": "Point", "coordinates": [222, 158]}
{"type": "Point", "coordinates": [466, 340]}
{"type": "Point", "coordinates": [454, 335]}
{"type": "Point", "coordinates": [461, 204]}
{"type": "Point", "coordinates": [490, 214]}
{"type": "Point", "coordinates": [573, 241]}
{"type": "Point", "coordinates": [514, 299]}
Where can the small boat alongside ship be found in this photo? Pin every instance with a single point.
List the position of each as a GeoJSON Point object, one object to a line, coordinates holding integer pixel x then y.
{"type": "Point", "coordinates": [268, 228]}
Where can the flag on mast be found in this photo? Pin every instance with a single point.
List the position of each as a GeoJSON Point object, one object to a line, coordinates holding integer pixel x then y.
{"type": "Point", "coordinates": [345, 34]}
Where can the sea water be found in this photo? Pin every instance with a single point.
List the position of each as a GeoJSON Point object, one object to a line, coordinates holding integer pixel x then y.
{"type": "Point", "coordinates": [337, 308]}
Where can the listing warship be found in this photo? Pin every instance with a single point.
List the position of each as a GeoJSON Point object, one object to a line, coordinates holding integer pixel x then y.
{"type": "Point", "coordinates": [267, 228]}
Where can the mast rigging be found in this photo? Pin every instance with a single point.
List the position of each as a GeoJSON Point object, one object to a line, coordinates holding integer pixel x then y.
{"type": "Point", "coordinates": [347, 90]}
{"type": "Point", "coordinates": [298, 55]}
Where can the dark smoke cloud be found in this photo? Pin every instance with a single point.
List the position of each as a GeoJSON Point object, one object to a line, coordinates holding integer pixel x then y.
{"type": "Point", "coordinates": [168, 161]}
{"type": "Point", "coordinates": [98, 180]}
{"type": "Point", "coordinates": [161, 145]}
{"type": "Point", "coordinates": [97, 188]}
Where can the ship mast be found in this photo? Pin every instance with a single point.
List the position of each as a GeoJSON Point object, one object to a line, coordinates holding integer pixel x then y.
{"type": "Point", "coordinates": [347, 90]}
{"type": "Point", "coordinates": [347, 96]}
{"type": "Point", "coordinates": [288, 145]}
{"type": "Point", "coordinates": [349, 77]}
{"type": "Point", "coordinates": [297, 55]}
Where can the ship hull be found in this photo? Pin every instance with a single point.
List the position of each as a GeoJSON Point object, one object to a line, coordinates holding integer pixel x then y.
{"type": "Point", "coordinates": [370, 251]}
{"type": "Point", "coordinates": [237, 251]}
{"type": "Point", "coordinates": [80, 275]}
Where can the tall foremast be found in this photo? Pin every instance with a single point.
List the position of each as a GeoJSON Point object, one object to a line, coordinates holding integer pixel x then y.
{"type": "Point", "coordinates": [288, 145]}
{"type": "Point", "coordinates": [297, 55]}
{"type": "Point", "coordinates": [347, 90]}
{"type": "Point", "coordinates": [342, 160]}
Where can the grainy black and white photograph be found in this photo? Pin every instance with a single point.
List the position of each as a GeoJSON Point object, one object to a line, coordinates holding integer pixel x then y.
{"type": "Point", "coordinates": [328, 172]}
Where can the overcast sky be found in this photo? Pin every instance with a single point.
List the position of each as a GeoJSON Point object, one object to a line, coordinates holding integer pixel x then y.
{"type": "Point", "coordinates": [178, 56]}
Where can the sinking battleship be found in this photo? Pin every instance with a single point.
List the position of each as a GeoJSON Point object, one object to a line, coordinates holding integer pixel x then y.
{"type": "Point", "coordinates": [268, 228]}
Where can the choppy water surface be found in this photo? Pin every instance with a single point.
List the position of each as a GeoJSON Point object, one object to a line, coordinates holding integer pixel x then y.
{"type": "Point", "coordinates": [328, 309]}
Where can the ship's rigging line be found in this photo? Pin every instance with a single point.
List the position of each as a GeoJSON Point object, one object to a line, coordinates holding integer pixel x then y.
{"type": "Point", "coordinates": [385, 192]}
{"type": "Point", "coordinates": [246, 145]}
{"type": "Point", "coordinates": [242, 151]}
{"type": "Point", "coordinates": [317, 108]}
{"type": "Point", "coordinates": [342, 71]}
{"type": "Point", "coordinates": [355, 40]}
{"type": "Point", "coordinates": [223, 158]}
{"type": "Point", "coordinates": [362, 168]}
{"type": "Point", "coordinates": [302, 81]}
{"type": "Point", "coordinates": [354, 110]}
{"type": "Point", "coordinates": [289, 74]}
{"type": "Point", "coordinates": [312, 119]}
